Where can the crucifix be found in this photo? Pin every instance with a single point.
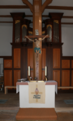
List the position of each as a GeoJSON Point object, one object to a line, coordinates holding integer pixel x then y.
{"type": "Point", "coordinates": [37, 9]}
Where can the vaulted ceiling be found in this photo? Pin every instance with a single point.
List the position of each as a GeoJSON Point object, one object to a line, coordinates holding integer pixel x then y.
{"type": "Point", "coordinates": [62, 6]}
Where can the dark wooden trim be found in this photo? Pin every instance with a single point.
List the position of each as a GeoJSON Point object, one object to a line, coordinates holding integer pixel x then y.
{"type": "Point", "coordinates": [66, 23]}
{"type": "Point", "coordinates": [68, 17]}
{"type": "Point", "coordinates": [12, 66]}
{"type": "Point", "coordinates": [65, 91]}
{"type": "Point", "coordinates": [67, 57]}
{"type": "Point", "coordinates": [17, 68]}
{"type": "Point", "coordinates": [28, 15]}
{"type": "Point", "coordinates": [56, 69]}
{"type": "Point", "coordinates": [5, 15]}
{"type": "Point", "coordinates": [60, 7]}
{"type": "Point", "coordinates": [24, 66]}
{"type": "Point", "coordinates": [61, 66]}
{"type": "Point", "coordinates": [54, 44]}
{"type": "Point", "coordinates": [13, 6]}
{"type": "Point", "coordinates": [65, 68]}
{"type": "Point", "coordinates": [6, 57]}
{"type": "Point", "coordinates": [32, 22]}
{"type": "Point", "coordinates": [70, 72]}
{"type": "Point", "coordinates": [26, 7]}
{"type": "Point", "coordinates": [6, 21]}
{"type": "Point", "coordinates": [7, 68]}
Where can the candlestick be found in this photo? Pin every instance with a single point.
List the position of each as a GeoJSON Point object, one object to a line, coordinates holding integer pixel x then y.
{"type": "Point", "coordinates": [28, 70]}
{"type": "Point", "coordinates": [45, 70]}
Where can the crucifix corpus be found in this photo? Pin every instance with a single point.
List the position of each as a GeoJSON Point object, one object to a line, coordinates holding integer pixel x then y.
{"type": "Point", "coordinates": [37, 48]}
{"type": "Point", "coordinates": [37, 9]}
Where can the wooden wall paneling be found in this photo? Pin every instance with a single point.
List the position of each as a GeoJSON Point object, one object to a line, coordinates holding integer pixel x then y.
{"type": "Point", "coordinates": [65, 63]}
{"type": "Point", "coordinates": [24, 62]}
{"type": "Point", "coordinates": [56, 57]}
{"type": "Point", "coordinates": [30, 60]}
{"type": "Point", "coordinates": [17, 75]}
{"type": "Point", "coordinates": [31, 74]}
{"type": "Point", "coordinates": [7, 63]}
{"type": "Point", "coordinates": [30, 57]}
{"type": "Point", "coordinates": [65, 77]}
{"type": "Point", "coordinates": [43, 58]}
{"type": "Point", "coordinates": [71, 77]}
{"type": "Point", "coordinates": [56, 76]}
{"type": "Point", "coordinates": [61, 66]}
{"type": "Point", "coordinates": [43, 74]}
{"type": "Point", "coordinates": [7, 77]}
{"type": "Point", "coordinates": [49, 62]}
{"type": "Point", "coordinates": [71, 63]}
{"type": "Point", "coordinates": [43, 62]}
{"type": "Point", "coordinates": [17, 58]}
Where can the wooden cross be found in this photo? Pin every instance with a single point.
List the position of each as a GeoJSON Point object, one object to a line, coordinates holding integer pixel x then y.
{"type": "Point", "coordinates": [37, 9]}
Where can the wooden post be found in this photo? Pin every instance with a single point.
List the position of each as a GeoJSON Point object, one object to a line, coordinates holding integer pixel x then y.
{"type": "Point", "coordinates": [37, 25]}
{"type": "Point", "coordinates": [37, 8]}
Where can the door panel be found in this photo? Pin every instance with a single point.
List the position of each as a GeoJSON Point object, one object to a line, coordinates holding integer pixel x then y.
{"type": "Point", "coordinates": [17, 75]}
{"type": "Point", "coordinates": [7, 77]}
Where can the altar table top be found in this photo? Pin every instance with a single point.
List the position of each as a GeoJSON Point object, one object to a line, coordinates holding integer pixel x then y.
{"type": "Point", "coordinates": [47, 83]}
{"type": "Point", "coordinates": [52, 82]}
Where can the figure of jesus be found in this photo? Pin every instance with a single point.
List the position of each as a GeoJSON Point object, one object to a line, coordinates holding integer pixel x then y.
{"type": "Point", "coordinates": [37, 48]}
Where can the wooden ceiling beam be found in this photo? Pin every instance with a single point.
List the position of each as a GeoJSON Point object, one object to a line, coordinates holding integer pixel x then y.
{"type": "Point", "coordinates": [26, 7]}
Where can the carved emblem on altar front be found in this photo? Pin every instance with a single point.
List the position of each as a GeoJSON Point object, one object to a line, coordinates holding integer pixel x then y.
{"type": "Point", "coordinates": [37, 94]}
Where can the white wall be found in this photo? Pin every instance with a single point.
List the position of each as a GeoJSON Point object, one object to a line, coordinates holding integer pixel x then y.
{"type": "Point", "coordinates": [5, 39]}
{"type": "Point", "coordinates": [67, 39]}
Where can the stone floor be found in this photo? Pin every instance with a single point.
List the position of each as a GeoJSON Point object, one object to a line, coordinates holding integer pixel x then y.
{"type": "Point", "coordinates": [9, 110]}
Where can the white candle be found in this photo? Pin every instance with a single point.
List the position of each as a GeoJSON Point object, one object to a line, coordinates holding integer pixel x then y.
{"type": "Point", "coordinates": [28, 70]}
{"type": "Point", "coordinates": [45, 70]}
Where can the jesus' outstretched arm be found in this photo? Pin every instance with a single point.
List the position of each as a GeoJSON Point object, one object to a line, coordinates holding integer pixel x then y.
{"type": "Point", "coordinates": [44, 37]}
{"type": "Point", "coordinates": [29, 38]}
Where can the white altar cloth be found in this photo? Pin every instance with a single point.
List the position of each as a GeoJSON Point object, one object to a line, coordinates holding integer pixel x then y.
{"type": "Point", "coordinates": [50, 89]}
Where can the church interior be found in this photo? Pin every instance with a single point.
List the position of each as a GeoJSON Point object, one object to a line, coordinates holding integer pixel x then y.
{"type": "Point", "coordinates": [36, 46]}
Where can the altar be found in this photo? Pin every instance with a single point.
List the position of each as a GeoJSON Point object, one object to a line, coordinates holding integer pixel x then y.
{"type": "Point", "coordinates": [36, 111]}
{"type": "Point", "coordinates": [23, 89]}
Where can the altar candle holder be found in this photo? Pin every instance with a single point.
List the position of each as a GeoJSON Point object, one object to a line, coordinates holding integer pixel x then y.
{"type": "Point", "coordinates": [45, 73]}
{"type": "Point", "coordinates": [29, 73]}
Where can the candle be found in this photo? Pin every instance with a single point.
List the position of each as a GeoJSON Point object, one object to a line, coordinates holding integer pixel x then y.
{"type": "Point", "coordinates": [45, 70]}
{"type": "Point", "coordinates": [28, 70]}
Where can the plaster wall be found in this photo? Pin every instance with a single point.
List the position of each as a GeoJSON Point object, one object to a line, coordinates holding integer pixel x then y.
{"type": "Point", "coordinates": [5, 39]}
{"type": "Point", "coordinates": [67, 39]}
